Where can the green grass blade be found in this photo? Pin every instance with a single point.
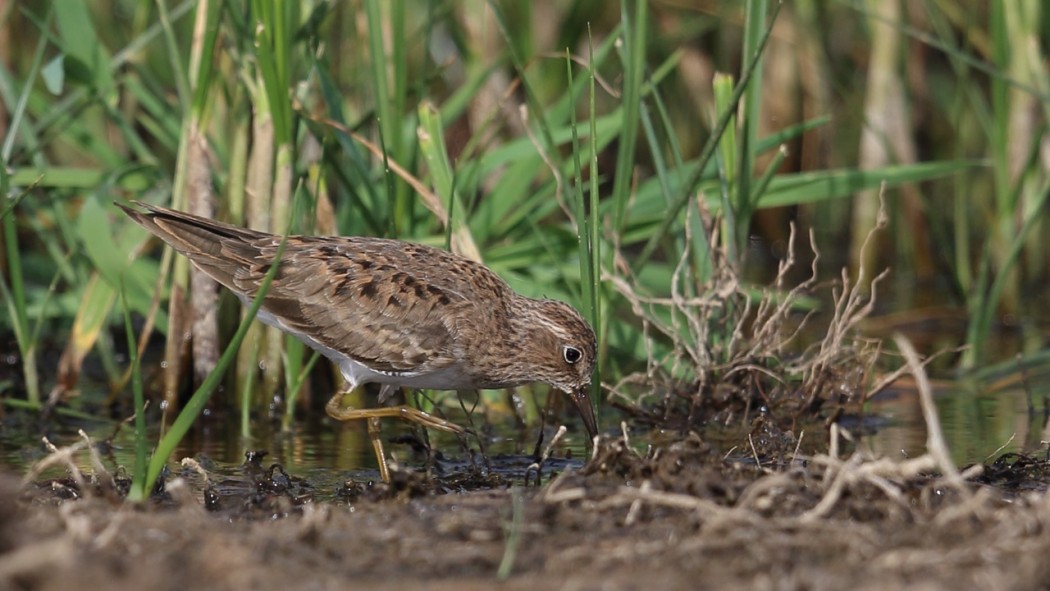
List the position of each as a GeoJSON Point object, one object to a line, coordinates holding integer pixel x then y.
{"type": "Point", "coordinates": [200, 397]}
{"type": "Point", "coordinates": [981, 323]}
{"type": "Point", "coordinates": [750, 115]}
{"type": "Point", "coordinates": [138, 491]}
{"type": "Point", "coordinates": [586, 242]}
{"type": "Point", "coordinates": [634, 30]}
{"type": "Point", "coordinates": [293, 390]}
{"type": "Point", "coordinates": [16, 293]}
{"type": "Point", "coordinates": [709, 148]}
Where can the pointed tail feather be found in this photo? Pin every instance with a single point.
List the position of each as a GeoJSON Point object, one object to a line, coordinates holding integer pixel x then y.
{"type": "Point", "coordinates": [220, 250]}
{"type": "Point", "coordinates": [187, 233]}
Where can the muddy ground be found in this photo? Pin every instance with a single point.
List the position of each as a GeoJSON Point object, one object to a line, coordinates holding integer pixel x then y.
{"type": "Point", "coordinates": [682, 516]}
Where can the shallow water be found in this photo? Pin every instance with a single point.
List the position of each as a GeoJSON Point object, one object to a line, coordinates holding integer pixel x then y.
{"type": "Point", "coordinates": [978, 423]}
{"type": "Point", "coordinates": [325, 452]}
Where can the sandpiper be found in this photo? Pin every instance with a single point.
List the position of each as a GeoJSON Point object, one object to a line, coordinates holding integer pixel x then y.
{"type": "Point", "coordinates": [392, 312]}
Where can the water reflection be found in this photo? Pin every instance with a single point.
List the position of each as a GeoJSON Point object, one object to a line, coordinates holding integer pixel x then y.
{"type": "Point", "coordinates": [323, 451]}
{"type": "Point", "coordinates": [978, 423]}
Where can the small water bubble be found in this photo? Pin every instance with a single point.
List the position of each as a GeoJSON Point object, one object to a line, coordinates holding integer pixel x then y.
{"type": "Point", "coordinates": [164, 365]}
{"type": "Point", "coordinates": [11, 359]}
{"type": "Point", "coordinates": [164, 405]}
{"type": "Point", "coordinates": [206, 412]}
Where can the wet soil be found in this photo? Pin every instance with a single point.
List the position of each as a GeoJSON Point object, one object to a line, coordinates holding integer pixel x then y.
{"type": "Point", "coordinates": [682, 514]}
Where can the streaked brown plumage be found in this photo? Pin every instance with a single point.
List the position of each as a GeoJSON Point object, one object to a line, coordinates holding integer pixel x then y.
{"type": "Point", "coordinates": [393, 312]}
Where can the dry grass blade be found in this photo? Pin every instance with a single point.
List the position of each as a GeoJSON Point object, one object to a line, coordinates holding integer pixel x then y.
{"type": "Point", "coordinates": [935, 444]}
{"type": "Point", "coordinates": [58, 457]}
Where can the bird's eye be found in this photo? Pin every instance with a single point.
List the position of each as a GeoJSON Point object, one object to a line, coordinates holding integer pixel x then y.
{"type": "Point", "coordinates": [571, 354]}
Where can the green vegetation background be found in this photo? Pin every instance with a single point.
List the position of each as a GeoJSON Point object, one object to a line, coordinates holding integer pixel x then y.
{"type": "Point", "coordinates": [490, 127]}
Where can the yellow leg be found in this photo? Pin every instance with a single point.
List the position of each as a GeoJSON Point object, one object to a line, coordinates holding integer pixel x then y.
{"type": "Point", "coordinates": [377, 445]}
{"type": "Point", "coordinates": [337, 411]}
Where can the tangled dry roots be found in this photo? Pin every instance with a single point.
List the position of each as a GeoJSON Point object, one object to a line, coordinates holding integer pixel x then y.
{"type": "Point", "coordinates": [730, 351]}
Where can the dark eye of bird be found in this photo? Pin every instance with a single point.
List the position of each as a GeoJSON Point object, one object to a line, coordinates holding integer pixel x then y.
{"type": "Point", "coordinates": [572, 354]}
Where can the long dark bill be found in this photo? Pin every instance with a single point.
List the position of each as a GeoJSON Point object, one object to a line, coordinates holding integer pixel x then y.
{"type": "Point", "coordinates": [581, 398]}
